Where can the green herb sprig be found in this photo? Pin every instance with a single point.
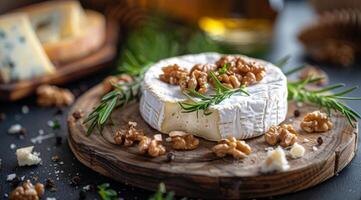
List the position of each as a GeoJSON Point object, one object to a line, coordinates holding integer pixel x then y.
{"type": "Point", "coordinates": [205, 102]}
{"type": "Point", "coordinates": [324, 97]}
{"type": "Point", "coordinates": [106, 193]}
{"type": "Point", "coordinates": [161, 194]}
{"type": "Point", "coordinates": [119, 97]}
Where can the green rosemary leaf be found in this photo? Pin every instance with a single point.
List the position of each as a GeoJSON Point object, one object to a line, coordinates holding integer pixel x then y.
{"type": "Point", "coordinates": [344, 92]}
{"type": "Point", "coordinates": [219, 86]}
{"type": "Point", "coordinates": [329, 88]}
{"type": "Point", "coordinates": [224, 69]}
{"type": "Point", "coordinates": [197, 94]}
{"type": "Point", "coordinates": [283, 61]}
{"type": "Point", "coordinates": [348, 98]}
{"type": "Point", "coordinates": [294, 70]}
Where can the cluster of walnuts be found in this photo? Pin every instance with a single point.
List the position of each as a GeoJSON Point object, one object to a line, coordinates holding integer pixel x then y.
{"type": "Point", "coordinates": [231, 71]}
{"type": "Point", "coordinates": [284, 134]}
{"type": "Point", "coordinates": [154, 147]}
{"type": "Point", "coordinates": [316, 122]}
{"type": "Point", "coordinates": [27, 191]}
{"type": "Point", "coordinates": [108, 83]}
{"type": "Point", "coordinates": [128, 137]}
{"type": "Point", "coordinates": [231, 146]}
{"type": "Point", "coordinates": [238, 71]}
{"type": "Point", "coordinates": [49, 95]}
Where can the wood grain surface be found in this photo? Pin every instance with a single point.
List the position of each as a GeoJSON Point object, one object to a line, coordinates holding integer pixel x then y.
{"type": "Point", "coordinates": [199, 173]}
{"type": "Point", "coordinates": [66, 72]}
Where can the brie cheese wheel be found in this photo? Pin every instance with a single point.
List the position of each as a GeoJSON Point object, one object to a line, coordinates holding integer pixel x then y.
{"type": "Point", "coordinates": [240, 116]}
{"type": "Point", "coordinates": [21, 54]}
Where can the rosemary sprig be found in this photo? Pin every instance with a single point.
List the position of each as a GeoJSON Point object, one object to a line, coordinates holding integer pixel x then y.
{"type": "Point", "coordinates": [162, 194]}
{"type": "Point", "coordinates": [205, 102]}
{"type": "Point", "coordinates": [323, 97]}
{"type": "Point", "coordinates": [106, 193]}
{"type": "Point", "coordinates": [119, 97]}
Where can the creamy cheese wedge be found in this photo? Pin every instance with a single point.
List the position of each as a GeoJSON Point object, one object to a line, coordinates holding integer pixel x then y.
{"type": "Point", "coordinates": [55, 20]}
{"type": "Point", "coordinates": [240, 116]}
{"type": "Point", "coordinates": [21, 54]}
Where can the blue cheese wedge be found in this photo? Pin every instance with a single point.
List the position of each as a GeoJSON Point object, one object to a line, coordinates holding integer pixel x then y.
{"type": "Point", "coordinates": [240, 116]}
{"type": "Point", "coordinates": [55, 20]}
{"type": "Point", "coordinates": [21, 54]}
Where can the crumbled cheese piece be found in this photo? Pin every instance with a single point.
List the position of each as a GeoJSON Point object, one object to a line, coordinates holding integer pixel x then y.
{"type": "Point", "coordinates": [306, 140]}
{"type": "Point", "coordinates": [50, 198]}
{"type": "Point", "coordinates": [25, 109]}
{"type": "Point", "coordinates": [12, 146]}
{"type": "Point", "coordinates": [314, 148]}
{"type": "Point", "coordinates": [297, 151]}
{"type": "Point", "coordinates": [11, 177]}
{"type": "Point", "coordinates": [41, 132]}
{"type": "Point", "coordinates": [14, 129]}
{"type": "Point", "coordinates": [275, 161]}
{"type": "Point", "coordinates": [26, 157]}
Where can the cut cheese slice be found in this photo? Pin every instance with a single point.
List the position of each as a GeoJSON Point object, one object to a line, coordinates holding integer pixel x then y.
{"type": "Point", "coordinates": [55, 20]}
{"type": "Point", "coordinates": [91, 37]}
{"type": "Point", "coordinates": [239, 116]}
{"type": "Point", "coordinates": [21, 54]}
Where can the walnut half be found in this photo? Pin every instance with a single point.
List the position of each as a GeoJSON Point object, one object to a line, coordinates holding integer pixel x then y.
{"type": "Point", "coordinates": [284, 134]}
{"type": "Point", "coordinates": [183, 141]}
{"type": "Point", "coordinates": [27, 191]}
{"type": "Point", "coordinates": [49, 95]}
{"type": "Point", "coordinates": [316, 121]}
{"type": "Point", "coordinates": [153, 146]}
{"type": "Point", "coordinates": [129, 136]}
{"type": "Point", "coordinates": [231, 146]}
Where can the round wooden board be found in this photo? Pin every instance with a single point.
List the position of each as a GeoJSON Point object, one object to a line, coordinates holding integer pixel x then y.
{"type": "Point", "coordinates": [199, 173]}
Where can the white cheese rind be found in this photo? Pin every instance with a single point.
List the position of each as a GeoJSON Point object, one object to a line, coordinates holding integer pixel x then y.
{"type": "Point", "coordinates": [240, 115]}
{"type": "Point", "coordinates": [21, 54]}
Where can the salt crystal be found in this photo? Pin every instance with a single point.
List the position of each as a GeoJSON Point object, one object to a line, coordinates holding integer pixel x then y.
{"type": "Point", "coordinates": [12, 146]}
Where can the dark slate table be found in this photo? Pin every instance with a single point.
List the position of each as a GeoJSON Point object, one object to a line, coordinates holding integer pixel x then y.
{"type": "Point", "coordinates": [296, 14]}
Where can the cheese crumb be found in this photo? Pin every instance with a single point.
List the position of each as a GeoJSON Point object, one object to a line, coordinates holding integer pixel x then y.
{"type": "Point", "coordinates": [11, 177]}
{"type": "Point", "coordinates": [26, 157]}
{"type": "Point", "coordinates": [14, 129]}
{"type": "Point", "coordinates": [297, 151]}
{"type": "Point", "coordinates": [275, 161]}
{"type": "Point", "coordinates": [314, 148]}
{"type": "Point", "coordinates": [306, 140]}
